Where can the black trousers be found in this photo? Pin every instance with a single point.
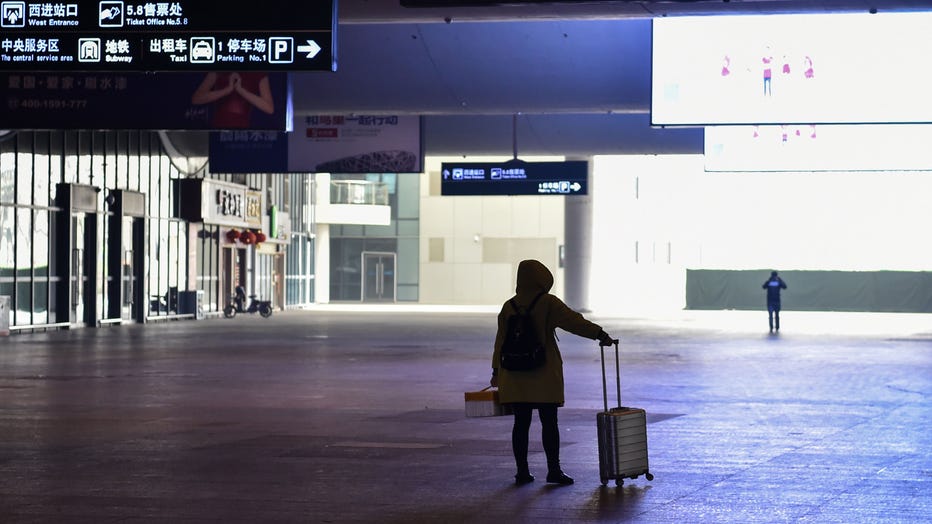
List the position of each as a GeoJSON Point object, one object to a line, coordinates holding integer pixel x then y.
{"type": "Point", "coordinates": [550, 434]}
{"type": "Point", "coordinates": [773, 314]}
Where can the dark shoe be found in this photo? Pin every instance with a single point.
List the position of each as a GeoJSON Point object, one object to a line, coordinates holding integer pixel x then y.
{"type": "Point", "coordinates": [523, 478]}
{"type": "Point", "coordinates": [559, 478]}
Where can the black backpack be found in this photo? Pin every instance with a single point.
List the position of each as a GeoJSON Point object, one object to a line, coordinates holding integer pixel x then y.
{"type": "Point", "coordinates": [522, 349]}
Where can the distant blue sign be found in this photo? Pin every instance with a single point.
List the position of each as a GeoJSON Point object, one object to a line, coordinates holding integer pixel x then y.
{"type": "Point", "coordinates": [514, 177]}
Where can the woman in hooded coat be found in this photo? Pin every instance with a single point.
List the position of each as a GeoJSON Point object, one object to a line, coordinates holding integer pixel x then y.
{"type": "Point", "coordinates": [540, 388]}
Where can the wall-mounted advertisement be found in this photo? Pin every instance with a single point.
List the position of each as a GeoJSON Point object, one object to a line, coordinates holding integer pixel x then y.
{"type": "Point", "coordinates": [180, 101]}
{"type": "Point", "coordinates": [811, 147]}
{"type": "Point", "coordinates": [356, 144]}
{"type": "Point", "coordinates": [324, 144]}
{"type": "Point", "coordinates": [791, 69]}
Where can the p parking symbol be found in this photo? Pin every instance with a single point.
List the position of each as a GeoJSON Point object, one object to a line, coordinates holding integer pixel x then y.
{"type": "Point", "coordinates": [281, 50]}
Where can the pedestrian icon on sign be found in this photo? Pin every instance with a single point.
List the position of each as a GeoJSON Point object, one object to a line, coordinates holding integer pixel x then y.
{"type": "Point", "coordinates": [13, 13]}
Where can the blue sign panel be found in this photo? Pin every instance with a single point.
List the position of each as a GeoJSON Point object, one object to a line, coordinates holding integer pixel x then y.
{"type": "Point", "coordinates": [514, 177]}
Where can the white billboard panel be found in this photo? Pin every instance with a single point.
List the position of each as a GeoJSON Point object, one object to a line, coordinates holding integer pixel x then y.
{"type": "Point", "coordinates": [791, 147]}
{"type": "Point", "coordinates": [792, 69]}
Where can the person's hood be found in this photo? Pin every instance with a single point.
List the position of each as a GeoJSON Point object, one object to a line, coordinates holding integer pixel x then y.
{"type": "Point", "coordinates": [533, 278]}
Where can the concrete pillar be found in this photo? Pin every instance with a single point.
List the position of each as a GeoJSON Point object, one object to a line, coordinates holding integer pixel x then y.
{"type": "Point", "coordinates": [321, 242]}
{"type": "Point", "coordinates": [322, 264]}
{"type": "Point", "coordinates": [577, 251]}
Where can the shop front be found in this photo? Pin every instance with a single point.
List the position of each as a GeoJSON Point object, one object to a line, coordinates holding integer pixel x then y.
{"type": "Point", "coordinates": [229, 229]}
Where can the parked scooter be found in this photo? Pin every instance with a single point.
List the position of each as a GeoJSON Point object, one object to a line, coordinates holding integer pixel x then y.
{"type": "Point", "coordinates": [263, 307]}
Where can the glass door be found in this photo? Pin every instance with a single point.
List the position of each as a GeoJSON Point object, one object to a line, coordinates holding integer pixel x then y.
{"type": "Point", "coordinates": [233, 273]}
{"type": "Point", "coordinates": [378, 277]}
{"type": "Point", "coordinates": [78, 275]}
{"type": "Point", "coordinates": [228, 278]}
{"type": "Point", "coordinates": [128, 306]}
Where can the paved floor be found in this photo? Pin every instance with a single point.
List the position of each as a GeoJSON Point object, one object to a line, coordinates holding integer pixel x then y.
{"type": "Point", "coordinates": [333, 416]}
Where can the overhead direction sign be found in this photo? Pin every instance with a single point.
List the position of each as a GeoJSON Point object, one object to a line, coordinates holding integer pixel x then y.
{"type": "Point", "coordinates": [514, 177]}
{"type": "Point", "coordinates": [187, 35]}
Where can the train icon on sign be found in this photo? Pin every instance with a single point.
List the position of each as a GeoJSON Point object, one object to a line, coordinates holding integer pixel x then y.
{"type": "Point", "coordinates": [13, 14]}
{"type": "Point", "coordinates": [88, 50]}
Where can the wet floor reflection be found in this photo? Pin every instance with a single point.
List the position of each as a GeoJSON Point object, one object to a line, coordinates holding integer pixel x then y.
{"type": "Point", "coordinates": [613, 502]}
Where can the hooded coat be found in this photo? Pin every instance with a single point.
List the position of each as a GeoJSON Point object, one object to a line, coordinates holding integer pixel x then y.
{"type": "Point", "coordinates": [544, 384]}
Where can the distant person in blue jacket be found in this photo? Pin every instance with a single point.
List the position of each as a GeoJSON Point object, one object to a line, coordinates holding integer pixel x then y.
{"type": "Point", "coordinates": [773, 285]}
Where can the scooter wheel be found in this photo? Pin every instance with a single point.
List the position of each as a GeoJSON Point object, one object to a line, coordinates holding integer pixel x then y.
{"type": "Point", "coordinates": [265, 310]}
{"type": "Point", "coordinates": [229, 311]}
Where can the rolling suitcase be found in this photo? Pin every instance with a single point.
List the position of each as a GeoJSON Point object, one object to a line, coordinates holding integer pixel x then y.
{"type": "Point", "coordinates": [622, 435]}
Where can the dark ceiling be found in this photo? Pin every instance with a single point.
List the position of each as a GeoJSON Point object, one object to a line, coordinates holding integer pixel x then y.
{"type": "Point", "coordinates": [577, 74]}
{"type": "Point", "coordinates": [382, 11]}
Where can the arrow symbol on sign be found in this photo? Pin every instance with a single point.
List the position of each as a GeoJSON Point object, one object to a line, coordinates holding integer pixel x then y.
{"type": "Point", "coordinates": [575, 186]}
{"type": "Point", "coordinates": [311, 48]}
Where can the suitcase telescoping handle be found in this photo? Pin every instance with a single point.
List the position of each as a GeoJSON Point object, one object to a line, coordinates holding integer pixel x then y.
{"type": "Point", "coordinates": [617, 376]}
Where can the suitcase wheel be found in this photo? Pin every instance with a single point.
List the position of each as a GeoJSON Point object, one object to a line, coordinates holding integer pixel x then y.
{"type": "Point", "coordinates": [650, 477]}
{"type": "Point", "coordinates": [604, 481]}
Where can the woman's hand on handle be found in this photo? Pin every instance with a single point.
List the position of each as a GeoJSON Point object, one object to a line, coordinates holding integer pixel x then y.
{"type": "Point", "coordinates": [605, 339]}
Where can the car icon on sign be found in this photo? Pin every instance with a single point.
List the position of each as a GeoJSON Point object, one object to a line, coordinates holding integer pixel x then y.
{"type": "Point", "coordinates": [202, 51]}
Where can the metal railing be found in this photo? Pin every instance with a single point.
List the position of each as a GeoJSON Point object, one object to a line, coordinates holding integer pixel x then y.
{"type": "Point", "coordinates": [358, 192]}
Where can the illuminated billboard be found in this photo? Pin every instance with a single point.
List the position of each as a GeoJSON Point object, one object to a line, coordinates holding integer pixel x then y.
{"type": "Point", "coordinates": [791, 69]}
{"type": "Point", "coordinates": [805, 148]}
